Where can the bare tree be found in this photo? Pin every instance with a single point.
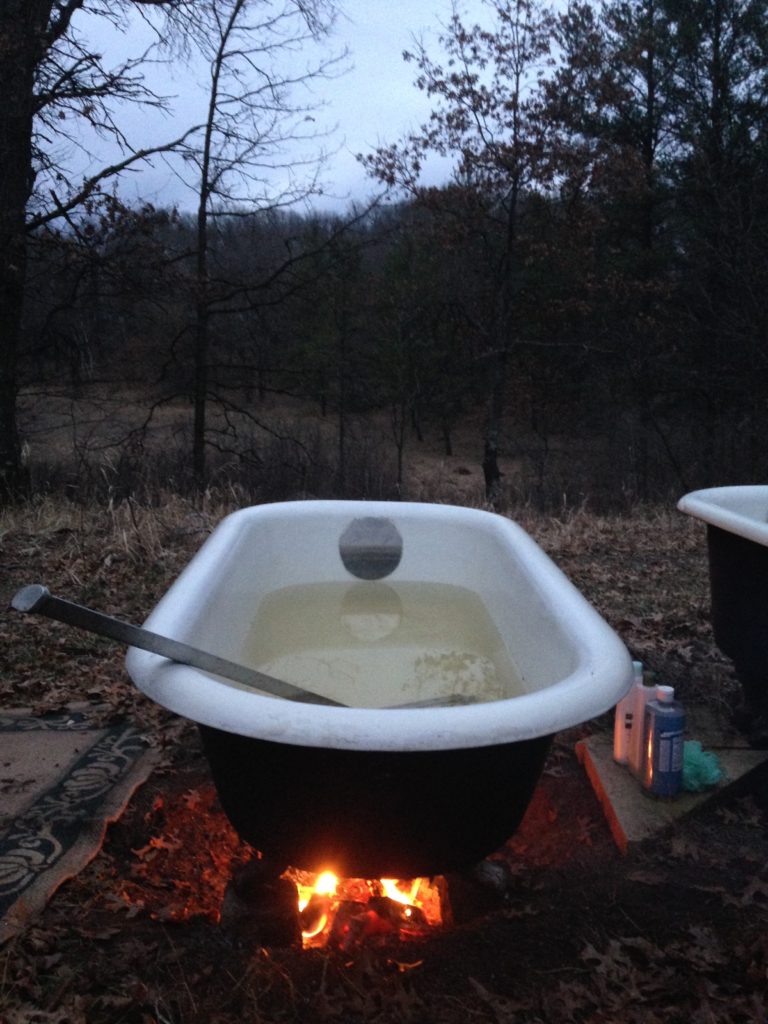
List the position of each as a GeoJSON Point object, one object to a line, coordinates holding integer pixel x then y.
{"type": "Point", "coordinates": [248, 158]}
{"type": "Point", "coordinates": [50, 79]}
{"type": "Point", "coordinates": [486, 117]}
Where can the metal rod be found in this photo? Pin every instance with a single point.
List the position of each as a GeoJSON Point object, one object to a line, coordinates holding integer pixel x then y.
{"type": "Point", "coordinates": [38, 599]}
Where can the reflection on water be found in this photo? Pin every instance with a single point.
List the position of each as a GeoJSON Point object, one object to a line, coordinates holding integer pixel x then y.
{"type": "Point", "coordinates": [371, 611]}
{"type": "Point", "coordinates": [370, 644]}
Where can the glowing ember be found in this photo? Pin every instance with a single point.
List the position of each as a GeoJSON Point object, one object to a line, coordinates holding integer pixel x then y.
{"type": "Point", "coordinates": [343, 912]}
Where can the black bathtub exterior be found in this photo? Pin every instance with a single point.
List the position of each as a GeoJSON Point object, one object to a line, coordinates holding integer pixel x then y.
{"type": "Point", "coordinates": [738, 571]}
{"type": "Point", "coordinates": [373, 814]}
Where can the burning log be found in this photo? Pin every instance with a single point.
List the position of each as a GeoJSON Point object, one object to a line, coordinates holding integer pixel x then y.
{"type": "Point", "coordinates": [355, 923]}
{"type": "Point", "coordinates": [299, 908]}
{"type": "Point", "coordinates": [343, 913]}
{"type": "Point", "coordinates": [404, 916]}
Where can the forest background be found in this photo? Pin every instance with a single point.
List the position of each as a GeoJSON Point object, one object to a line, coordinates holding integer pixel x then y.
{"type": "Point", "coordinates": [584, 299]}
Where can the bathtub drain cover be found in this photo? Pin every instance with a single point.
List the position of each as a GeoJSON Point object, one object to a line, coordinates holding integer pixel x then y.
{"type": "Point", "coordinates": [371, 547]}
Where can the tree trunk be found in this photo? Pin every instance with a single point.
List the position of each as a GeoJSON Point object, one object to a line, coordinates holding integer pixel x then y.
{"type": "Point", "coordinates": [504, 342]}
{"type": "Point", "coordinates": [491, 470]}
{"type": "Point", "coordinates": [200, 395]}
{"type": "Point", "coordinates": [22, 24]}
{"type": "Point", "coordinates": [341, 472]}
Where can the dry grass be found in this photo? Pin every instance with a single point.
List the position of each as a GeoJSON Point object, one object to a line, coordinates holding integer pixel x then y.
{"type": "Point", "coordinates": [116, 557]}
{"type": "Point", "coordinates": [111, 442]}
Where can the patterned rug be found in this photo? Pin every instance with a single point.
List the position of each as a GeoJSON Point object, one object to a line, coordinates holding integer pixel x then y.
{"type": "Point", "coordinates": [63, 779]}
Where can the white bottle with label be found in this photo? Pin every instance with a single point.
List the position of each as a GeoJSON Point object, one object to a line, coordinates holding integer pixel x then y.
{"type": "Point", "coordinates": [643, 693]}
{"type": "Point", "coordinates": [625, 720]}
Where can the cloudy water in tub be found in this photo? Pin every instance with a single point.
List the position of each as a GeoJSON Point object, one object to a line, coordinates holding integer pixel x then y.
{"type": "Point", "coordinates": [372, 644]}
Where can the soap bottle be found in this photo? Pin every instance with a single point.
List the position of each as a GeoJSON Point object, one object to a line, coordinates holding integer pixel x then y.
{"type": "Point", "coordinates": [625, 720]}
{"type": "Point", "coordinates": [644, 691]}
{"type": "Point", "coordinates": [664, 727]}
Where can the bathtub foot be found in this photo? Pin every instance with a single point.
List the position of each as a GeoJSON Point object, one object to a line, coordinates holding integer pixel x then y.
{"type": "Point", "coordinates": [754, 725]}
{"type": "Point", "coordinates": [479, 890]}
{"type": "Point", "coordinates": [751, 716]}
{"type": "Point", "coordinates": [260, 908]}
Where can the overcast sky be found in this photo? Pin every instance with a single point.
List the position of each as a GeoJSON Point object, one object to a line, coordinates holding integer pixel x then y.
{"type": "Point", "coordinates": [374, 102]}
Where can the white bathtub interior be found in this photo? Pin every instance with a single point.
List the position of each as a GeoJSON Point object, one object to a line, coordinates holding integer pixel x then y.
{"type": "Point", "coordinates": [555, 661]}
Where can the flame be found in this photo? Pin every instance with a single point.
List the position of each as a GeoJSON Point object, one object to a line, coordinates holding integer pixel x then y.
{"type": "Point", "coordinates": [312, 933]}
{"type": "Point", "coordinates": [321, 895]}
{"type": "Point", "coordinates": [325, 885]}
{"type": "Point", "coordinates": [396, 889]}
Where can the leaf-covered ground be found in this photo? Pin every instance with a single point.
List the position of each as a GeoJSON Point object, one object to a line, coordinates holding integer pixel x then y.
{"type": "Point", "coordinates": [676, 931]}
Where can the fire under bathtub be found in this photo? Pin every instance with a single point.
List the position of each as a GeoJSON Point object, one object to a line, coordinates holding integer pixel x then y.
{"type": "Point", "coordinates": [736, 518]}
{"type": "Point", "coordinates": [375, 604]}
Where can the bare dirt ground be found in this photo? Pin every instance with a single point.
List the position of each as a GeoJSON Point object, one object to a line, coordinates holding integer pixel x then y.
{"type": "Point", "coordinates": [675, 932]}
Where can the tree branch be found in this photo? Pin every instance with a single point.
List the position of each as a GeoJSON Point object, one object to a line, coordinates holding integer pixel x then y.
{"type": "Point", "coordinates": [91, 185]}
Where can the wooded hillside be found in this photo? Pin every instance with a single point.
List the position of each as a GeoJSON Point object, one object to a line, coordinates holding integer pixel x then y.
{"type": "Point", "coordinates": [589, 288]}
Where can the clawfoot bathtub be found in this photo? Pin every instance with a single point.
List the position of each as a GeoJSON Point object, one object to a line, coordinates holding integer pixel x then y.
{"type": "Point", "coordinates": [376, 604]}
{"type": "Point", "coordinates": [737, 542]}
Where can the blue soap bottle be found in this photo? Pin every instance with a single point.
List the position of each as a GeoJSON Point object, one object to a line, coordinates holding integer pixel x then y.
{"type": "Point", "coordinates": [662, 775]}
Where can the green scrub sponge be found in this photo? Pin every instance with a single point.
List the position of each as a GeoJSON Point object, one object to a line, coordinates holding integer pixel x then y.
{"type": "Point", "coordinates": [701, 768]}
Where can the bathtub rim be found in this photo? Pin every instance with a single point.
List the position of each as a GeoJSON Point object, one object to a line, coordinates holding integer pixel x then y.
{"type": "Point", "coordinates": [719, 506]}
{"type": "Point", "coordinates": [602, 677]}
